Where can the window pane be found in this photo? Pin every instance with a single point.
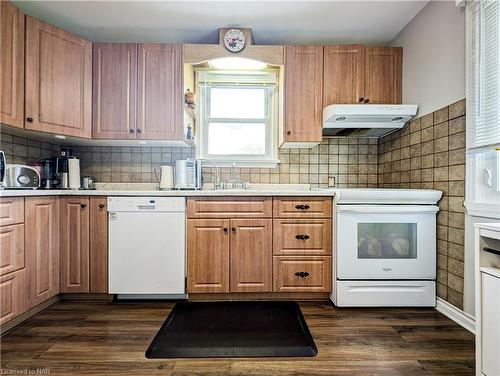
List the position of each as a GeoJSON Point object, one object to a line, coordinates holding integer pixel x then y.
{"type": "Point", "coordinates": [387, 240]}
{"type": "Point", "coordinates": [237, 138]}
{"type": "Point", "coordinates": [243, 103]}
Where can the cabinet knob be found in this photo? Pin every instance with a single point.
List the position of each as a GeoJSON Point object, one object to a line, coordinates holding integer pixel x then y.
{"type": "Point", "coordinates": [83, 206]}
{"type": "Point", "coordinates": [131, 130]}
{"type": "Point", "coordinates": [302, 274]}
{"type": "Point", "coordinates": [367, 100]}
{"type": "Point", "coordinates": [302, 207]}
{"type": "Point", "coordinates": [288, 132]}
{"type": "Point", "coordinates": [29, 119]}
{"type": "Point", "coordinates": [301, 237]}
{"type": "Point", "coordinates": [225, 229]}
{"type": "Point", "coordinates": [233, 229]}
{"type": "Point", "coordinates": [361, 99]}
{"type": "Point", "coordinates": [101, 206]}
{"type": "Point", "coordinates": [139, 131]}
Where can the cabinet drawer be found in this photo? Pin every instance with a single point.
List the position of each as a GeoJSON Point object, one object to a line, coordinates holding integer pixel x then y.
{"type": "Point", "coordinates": [302, 237]}
{"type": "Point", "coordinates": [302, 274]}
{"type": "Point", "coordinates": [12, 295]}
{"type": "Point", "coordinates": [11, 248]}
{"type": "Point", "coordinates": [229, 207]}
{"type": "Point", "coordinates": [306, 207]}
{"type": "Point", "coordinates": [11, 210]}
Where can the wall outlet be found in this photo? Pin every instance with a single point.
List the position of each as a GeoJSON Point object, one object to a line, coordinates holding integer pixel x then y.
{"type": "Point", "coordinates": [331, 181]}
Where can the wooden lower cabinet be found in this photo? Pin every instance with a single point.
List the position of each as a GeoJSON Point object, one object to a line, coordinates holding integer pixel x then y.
{"type": "Point", "coordinates": [208, 255]}
{"type": "Point", "coordinates": [98, 245]}
{"type": "Point", "coordinates": [74, 246]}
{"type": "Point", "coordinates": [311, 237]}
{"type": "Point", "coordinates": [11, 248]}
{"type": "Point", "coordinates": [42, 249]}
{"type": "Point", "coordinates": [11, 210]}
{"type": "Point", "coordinates": [302, 274]}
{"type": "Point", "coordinates": [251, 255]}
{"type": "Point", "coordinates": [12, 296]}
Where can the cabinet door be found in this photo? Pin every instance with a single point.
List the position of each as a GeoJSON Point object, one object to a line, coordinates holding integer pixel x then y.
{"type": "Point", "coordinates": [303, 93]}
{"type": "Point", "coordinates": [42, 248]}
{"type": "Point", "coordinates": [302, 274]}
{"type": "Point", "coordinates": [58, 81]}
{"type": "Point", "coordinates": [208, 255]}
{"type": "Point", "coordinates": [344, 74]}
{"type": "Point", "coordinates": [251, 255]}
{"type": "Point", "coordinates": [383, 74]}
{"type": "Point", "coordinates": [11, 248]}
{"type": "Point", "coordinates": [12, 302]}
{"type": "Point", "coordinates": [11, 65]}
{"type": "Point", "coordinates": [98, 226]}
{"type": "Point", "coordinates": [490, 330]}
{"type": "Point", "coordinates": [114, 90]}
{"type": "Point", "coordinates": [74, 271]}
{"type": "Point", "coordinates": [160, 97]}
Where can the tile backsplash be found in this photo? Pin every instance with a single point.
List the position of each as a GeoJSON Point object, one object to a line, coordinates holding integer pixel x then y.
{"type": "Point", "coordinates": [429, 152]}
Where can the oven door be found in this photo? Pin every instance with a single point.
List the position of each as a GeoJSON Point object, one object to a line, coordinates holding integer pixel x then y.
{"type": "Point", "coordinates": [386, 242]}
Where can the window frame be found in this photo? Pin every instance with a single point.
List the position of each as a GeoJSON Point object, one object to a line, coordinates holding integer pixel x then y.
{"type": "Point", "coordinates": [267, 160]}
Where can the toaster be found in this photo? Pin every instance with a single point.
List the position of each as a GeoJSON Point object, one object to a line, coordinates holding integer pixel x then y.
{"type": "Point", "coordinates": [20, 177]}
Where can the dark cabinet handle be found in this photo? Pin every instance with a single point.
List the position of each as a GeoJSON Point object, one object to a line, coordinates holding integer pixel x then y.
{"type": "Point", "coordinates": [491, 250]}
{"type": "Point", "coordinates": [289, 132]}
{"type": "Point", "coordinates": [83, 206]}
{"type": "Point", "coordinates": [131, 130]}
{"type": "Point", "coordinates": [301, 237]}
{"type": "Point", "coordinates": [302, 207]}
{"type": "Point", "coordinates": [139, 131]}
{"type": "Point", "coordinates": [225, 229]}
{"type": "Point", "coordinates": [233, 229]}
{"type": "Point", "coordinates": [367, 100]}
{"type": "Point", "coordinates": [29, 119]}
{"type": "Point", "coordinates": [361, 99]}
{"type": "Point", "coordinates": [302, 274]}
{"type": "Point", "coordinates": [101, 206]}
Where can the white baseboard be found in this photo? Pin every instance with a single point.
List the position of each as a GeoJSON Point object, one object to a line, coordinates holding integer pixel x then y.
{"type": "Point", "coordinates": [460, 317]}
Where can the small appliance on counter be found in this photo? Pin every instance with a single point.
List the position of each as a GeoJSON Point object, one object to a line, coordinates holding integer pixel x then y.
{"type": "Point", "coordinates": [87, 182]}
{"type": "Point", "coordinates": [165, 177]}
{"type": "Point", "coordinates": [19, 176]}
{"type": "Point", "coordinates": [3, 165]}
{"type": "Point", "coordinates": [48, 167]}
{"type": "Point", "coordinates": [188, 174]}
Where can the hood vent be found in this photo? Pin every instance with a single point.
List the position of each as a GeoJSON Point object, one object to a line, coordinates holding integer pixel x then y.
{"type": "Point", "coordinates": [365, 120]}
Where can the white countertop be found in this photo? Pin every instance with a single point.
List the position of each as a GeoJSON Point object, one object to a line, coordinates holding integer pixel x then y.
{"type": "Point", "coordinates": [343, 195]}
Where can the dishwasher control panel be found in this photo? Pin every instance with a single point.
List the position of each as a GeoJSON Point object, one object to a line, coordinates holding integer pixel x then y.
{"type": "Point", "coordinates": [148, 204]}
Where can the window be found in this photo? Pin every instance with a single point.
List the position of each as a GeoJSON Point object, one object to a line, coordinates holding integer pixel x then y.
{"type": "Point", "coordinates": [238, 117]}
{"type": "Point", "coordinates": [483, 108]}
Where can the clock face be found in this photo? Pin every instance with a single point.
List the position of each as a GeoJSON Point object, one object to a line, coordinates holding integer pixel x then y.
{"type": "Point", "coordinates": [234, 40]}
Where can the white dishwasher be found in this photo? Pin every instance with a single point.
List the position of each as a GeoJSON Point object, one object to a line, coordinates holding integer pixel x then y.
{"type": "Point", "coordinates": [147, 242]}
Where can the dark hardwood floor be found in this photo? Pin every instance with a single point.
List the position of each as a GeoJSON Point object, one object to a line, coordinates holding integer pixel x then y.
{"type": "Point", "coordinates": [110, 338]}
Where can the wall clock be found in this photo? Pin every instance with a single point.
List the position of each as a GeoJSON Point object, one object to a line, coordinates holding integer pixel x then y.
{"type": "Point", "coordinates": [234, 40]}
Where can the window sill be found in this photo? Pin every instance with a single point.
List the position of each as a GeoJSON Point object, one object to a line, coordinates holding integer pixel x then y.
{"type": "Point", "coordinates": [269, 163]}
{"type": "Point", "coordinates": [483, 209]}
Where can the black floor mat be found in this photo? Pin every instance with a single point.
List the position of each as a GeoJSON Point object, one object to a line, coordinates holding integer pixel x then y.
{"type": "Point", "coordinates": [233, 329]}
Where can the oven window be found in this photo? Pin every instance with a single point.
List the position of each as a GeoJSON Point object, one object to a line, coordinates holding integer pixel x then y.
{"type": "Point", "coordinates": [387, 240]}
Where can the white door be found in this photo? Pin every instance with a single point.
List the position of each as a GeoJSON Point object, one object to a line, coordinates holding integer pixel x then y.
{"type": "Point", "coordinates": [386, 242]}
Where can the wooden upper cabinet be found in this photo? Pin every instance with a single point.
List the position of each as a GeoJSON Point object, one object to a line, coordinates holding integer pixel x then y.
{"type": "Point", "coordinates": [98, 245]}
{"type": "Point", "coordinates": [58, 81]}
{"type": "Point", "coordinates": [344, 74]}
{"type": "Point", "coordinates": [303, 93]}
{"type": "Point", "coordinates": [42, 249]}
{"type": "Point", "coordinates": [383, 74]}
{"type": "Point", "coordinates": [11, 65]}
{"type": "Point", "coordinates": [208, 255]}
{"type": "Point", "coordinates": [74, 247]}
{"type": "Point", "coordinates": [251, 255]}
{"type": "Point", "coordinates": [160, 96]}
{"type": "Point", "coordinates": [114, 90]}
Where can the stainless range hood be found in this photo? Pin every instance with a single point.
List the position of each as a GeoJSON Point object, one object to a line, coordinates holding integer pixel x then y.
{"type": "Point", "coordinates": [365, 120]}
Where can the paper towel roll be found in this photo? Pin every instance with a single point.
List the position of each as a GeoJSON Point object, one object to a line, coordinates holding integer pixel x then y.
{"type": "Point", "coordinates": [74, 173]}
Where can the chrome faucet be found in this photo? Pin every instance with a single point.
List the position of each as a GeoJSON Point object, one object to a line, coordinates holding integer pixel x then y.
{"type": "Point", "coordinates": [234, 180]}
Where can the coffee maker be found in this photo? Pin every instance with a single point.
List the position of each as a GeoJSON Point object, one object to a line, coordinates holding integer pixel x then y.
{"type": "Point", "coordinates": [49, 177]}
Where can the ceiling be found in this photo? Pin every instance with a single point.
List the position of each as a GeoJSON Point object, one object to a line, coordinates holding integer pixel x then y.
{"type": "Point", "coordinates": [272, 22]}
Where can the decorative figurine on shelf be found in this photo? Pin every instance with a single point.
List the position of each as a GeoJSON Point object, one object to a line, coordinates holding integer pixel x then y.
{"type": "Point", "coordinates": [189, 99]}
